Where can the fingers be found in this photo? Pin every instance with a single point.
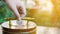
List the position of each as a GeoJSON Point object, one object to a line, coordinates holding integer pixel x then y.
{"type": "Point", "coordinates": [22, 10]}
{"type": "Point", "coordinates": [12, 6]}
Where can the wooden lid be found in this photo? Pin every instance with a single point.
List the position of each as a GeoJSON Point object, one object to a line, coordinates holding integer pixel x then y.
{"type": "Point", "coordinates": [19, 28]}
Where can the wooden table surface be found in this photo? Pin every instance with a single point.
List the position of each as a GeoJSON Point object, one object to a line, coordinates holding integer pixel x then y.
{"type": "Point", "coordinates": [44, 30]}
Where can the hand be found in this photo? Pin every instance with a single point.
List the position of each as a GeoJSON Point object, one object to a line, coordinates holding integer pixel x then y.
{"type": "Point", "coordinates": [17, 7]}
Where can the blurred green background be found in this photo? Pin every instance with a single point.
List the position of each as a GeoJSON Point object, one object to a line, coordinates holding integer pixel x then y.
{"type": "Point", "coordinates": [4, 12]}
